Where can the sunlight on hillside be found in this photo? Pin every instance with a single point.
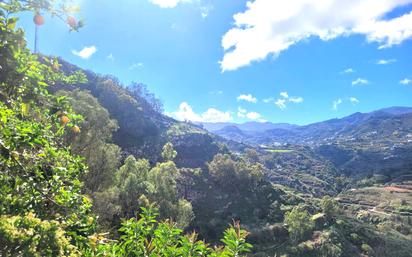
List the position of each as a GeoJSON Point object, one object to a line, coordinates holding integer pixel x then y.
{"type": "Point", "coordinates": [205, 128]}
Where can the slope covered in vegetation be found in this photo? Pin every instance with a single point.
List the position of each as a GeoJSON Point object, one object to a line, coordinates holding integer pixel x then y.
{"type": "Point", "coordinates": [92, 168]}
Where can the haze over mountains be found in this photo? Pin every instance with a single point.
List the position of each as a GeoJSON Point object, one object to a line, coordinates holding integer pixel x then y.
{"type": "Point", "coordinates": [385, 121]}
{"type": "Point", "coordinates": [247, 126]}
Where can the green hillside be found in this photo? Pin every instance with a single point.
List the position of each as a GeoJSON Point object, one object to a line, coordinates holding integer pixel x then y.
{"type": "Point", "coordinates": [91, 167]}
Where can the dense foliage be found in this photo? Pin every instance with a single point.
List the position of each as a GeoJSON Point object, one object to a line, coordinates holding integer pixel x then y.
{"type": "Point", "coordinates": [89, 167]}
{"type": "Point", "coordinates": [43, 211]}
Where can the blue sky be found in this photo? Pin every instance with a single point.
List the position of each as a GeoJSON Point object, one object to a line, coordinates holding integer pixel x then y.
{"type": "Point", "coordinates": [222, 60]}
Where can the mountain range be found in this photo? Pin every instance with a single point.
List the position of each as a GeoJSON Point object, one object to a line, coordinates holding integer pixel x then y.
{"type": "Point", "coordinates": [384, 122]}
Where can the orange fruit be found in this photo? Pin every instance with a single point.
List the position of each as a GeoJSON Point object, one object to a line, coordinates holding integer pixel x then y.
{"type": "Point", "coordinates": [75, 129]}
{"type": "Point", "coordinates": [38, 20]}
{"type": "Point", "coordinates": [64, 120]}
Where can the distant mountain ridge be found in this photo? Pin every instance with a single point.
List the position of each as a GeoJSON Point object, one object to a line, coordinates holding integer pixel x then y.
{"type": "Point", "coordinates": [247, 126]}
{"type": "Point", "coordinates": [396, 110]}
{"type": "Point", "coordinates": [385, 121]}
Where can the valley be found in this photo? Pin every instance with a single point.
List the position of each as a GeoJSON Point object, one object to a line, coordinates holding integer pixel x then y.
{"type": "Point", "coordinates": [93, 166]}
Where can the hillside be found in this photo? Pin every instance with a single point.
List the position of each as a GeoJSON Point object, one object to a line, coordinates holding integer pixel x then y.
{"type": "Point", "coordinates": [313, 161]}
{"type": "Point", "coordinates": [301, 162]}
{"type": "Point", "coordinates": [91, 167]}
{"type": "Point", "coordinates": [143, 129]}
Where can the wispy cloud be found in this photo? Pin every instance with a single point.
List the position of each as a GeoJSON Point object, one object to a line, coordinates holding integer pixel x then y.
{"type": "Point", "coordinates": [86, 52]}
{"type": "Point", "coordinates": [216, 92]}
{"type": "Point", "coordinates": [284, 99]}
{"type": "Point", "coordinates": [168, 3]}
{"type": "Point", "coordinates": [248, 98]}
{"type": "Point", "coordinates": [360, 81]}
{"type": "Point", "coordinates": [296, 100]}
{"type": "Point", "coordinates": [136, 66]}
{"type": "Point", "coordinates": [281, 103]}
{"type": "Point", "coordinates": [284, 94]}
{"type": "Point", "coordinates": [205, 10]}
{"type": "Point", "coordinates": [384, 62]}
{"type": "Point", "coordinates": [405, 81]}
{"type": "Point", "coordinates": [336, 103]}
{"type": "Point", "coordinates": [185, 113]}
{"type": "Point", "coordinates": [348, 70]}
{"type": "Point", "coordinates": [110, 57]}
{"type": "Point", "coordinates": [241, 113]}
{"type": "Point", "coordinates": [353, 100]}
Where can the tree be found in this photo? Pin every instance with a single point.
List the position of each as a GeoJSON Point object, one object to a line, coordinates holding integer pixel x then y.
{"type": "Point", "coordinates": [40, 190]}
{"type": "Point", "coordinates": [62, 9]}
{"type": "Point", "coordinates": [42, 210]}
{"type": "Point", "coordinates": [252, 155]}
{"type": "Point", "coordinates": [186, 181]}
{"type": "Point", "coordinates": [163, 176]}
{"type": "Point", "coordinates": [133, 183]}
{"type": "Point", "coordinates": [299, 223]}
{"type": "Point", "coordinates": [228, 180]}
{"type": "Point", "coordinates": [148, 237]}
{"type": "Point", "coordinates": [138, 185]}
{"type": "Point", "coordinates": [330, 207]}
{"type": "Point", "coordinates": [149, 102]}
{"type": "Point", "coordinates": [168, 153]}
{"type": "Point", "coordinates": [92, 140]}
{"type": "Point", "coordinates": [235, 174]}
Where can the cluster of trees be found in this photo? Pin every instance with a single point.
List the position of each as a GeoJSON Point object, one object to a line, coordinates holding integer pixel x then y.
{"type": "Point", "coordinates": [44, 208]}
{"type": "Point", "coordinates": [234, 188]}
{"type": "Point", "coordinates": [86, 170]}
{"type": "Point", "coordinates": [137, 184]}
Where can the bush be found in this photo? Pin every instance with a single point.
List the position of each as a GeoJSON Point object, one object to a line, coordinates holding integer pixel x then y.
{"type": "Point", "coordinates": [299, 223]}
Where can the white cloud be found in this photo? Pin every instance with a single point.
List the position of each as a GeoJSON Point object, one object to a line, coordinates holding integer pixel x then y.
{"type": "Point", "coordinates": [405, 81]}
{"type": "Point", "coordinates": [281, 103]}
{"type": "Point", "coordinates": [241, 113]}
{"type": "Point", "coordinates": [384, 62]}
{"type": "Point", "coordinates": [248, 98]}
{"type": "Point", "coordinates": [136, 65]}
{"type": "Point", "coordinates": [253, 115]}
{"type": "Point", "coordinates": [186, 113]}
{"type": "Point", "coordinates": [86, 52]}
{"type": "Point", "coordinates": [269, 27]}
{"type": "Point", "coordinates": [216, 92]}
{"type": "Point", "coordinates": [268, 100]}
{"type": "Point", "coordinates": [349, 70]}
{"type": "Point", "coordinates": [360, 81]}
{"type": "Point", "coordinates": [205, 10]}
{"type": "Point", "coordinates": [296, 100]}
{"type": "Point", "coordinates": [336, 103]}
{"type": "Point", "coordinates": [284, 94]}
{"type": "Point", "coordinates": [110, 57]}
{"type": "Point", "coordinates": [285, 98]}
{"type": "Point", "coordinates": [168, 3]}
{"type": "Point", "coordinates": [353, 100]}
{"type": "Point", "coordinates": [214, 115]}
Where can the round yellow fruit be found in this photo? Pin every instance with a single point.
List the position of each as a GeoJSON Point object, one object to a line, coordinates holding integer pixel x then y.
{"type": "Point", "coordinates": [64, 120]}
